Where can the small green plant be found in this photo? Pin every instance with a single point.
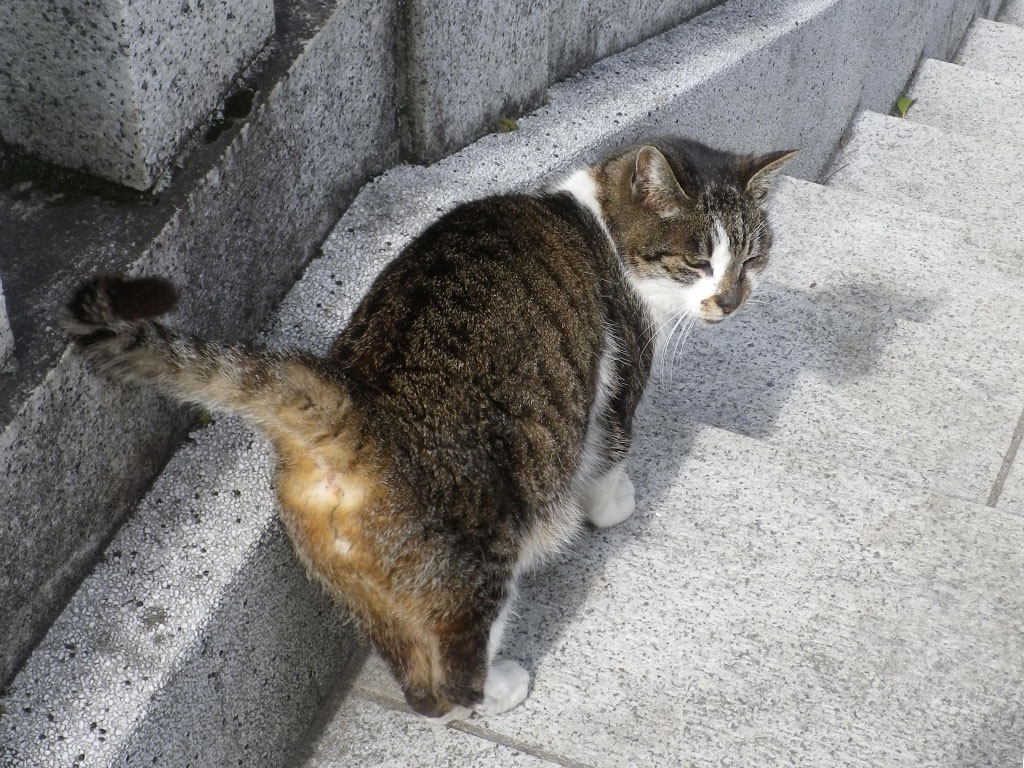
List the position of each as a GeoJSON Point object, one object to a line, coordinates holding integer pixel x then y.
{"type": "Point", "coordinates": [903, 105]}
{"type": "Point", "coordinates": [507, 125]}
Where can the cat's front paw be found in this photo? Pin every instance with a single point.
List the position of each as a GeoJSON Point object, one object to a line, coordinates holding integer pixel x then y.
{"type": "Point", "coordinates": [506, 686]}
{"type": "Point", "coordinates": [611, 499]}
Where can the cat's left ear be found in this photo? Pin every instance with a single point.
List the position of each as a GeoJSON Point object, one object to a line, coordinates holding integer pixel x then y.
{"type": "Point", "coordinates": [757, 174]}
{"type": "Point", "coordinates": [655, 185]}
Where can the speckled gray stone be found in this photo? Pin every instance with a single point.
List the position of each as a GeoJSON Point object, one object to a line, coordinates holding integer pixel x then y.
{"type": "Point", "coordinates": [579, 33]}
{"type": "Point", "coordinates": [464, 66]}
{"type": "Point", "coordinates": [994, 47]}
{"type": "Point", "coordinates": [932, 28]}
{"type": "Point", "coordinates": [769, 608]}
{"type": "Point", "coordinates": [867, 346]}
{"type": "Point", "coordinates": [960, 99]}
{"type": "Point", "coordinates": [1012, 12]}
{"type": "Point", "coordinates": [928, 169]}
{"type": "Point", "coordinates": [1011, 497]}
{"type": "Point", "coordinates": [459, 80]}
{"type": "Point", "coordinates": [194, 639]}
{"type": "Point", "coordinates": [6, 337]}
{"type": "Point", "coordinates": [232, 232]}
{"type": "Point", "coordinates": [112, 87]}
{"type": "Point", "coordinates": [365, 734]}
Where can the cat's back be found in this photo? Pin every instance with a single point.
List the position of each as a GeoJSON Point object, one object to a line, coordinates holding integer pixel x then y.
{"type": "Point", "coordinates": [513, 277]}
{"type": "Point", "coordinates": [478, 347]}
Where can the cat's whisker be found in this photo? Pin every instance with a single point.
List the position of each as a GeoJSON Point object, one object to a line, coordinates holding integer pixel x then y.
{"type": "Point", "coordinates": [679, 318]}
{"type": "Point", "coordinates": [657, 333]}
{"type": "Point", "coordinates": [681, 339]}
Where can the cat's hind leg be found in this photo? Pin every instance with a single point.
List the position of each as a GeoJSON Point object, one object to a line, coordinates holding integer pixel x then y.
{"type": "Point", "coordinates": [507, 683]}
{"type": "Point", "coordinates": [446, 673]}
{"type": "Point", "coordinates": [609, 499]}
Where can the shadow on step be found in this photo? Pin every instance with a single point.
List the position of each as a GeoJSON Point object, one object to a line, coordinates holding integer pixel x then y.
{"type": "Point", "coordinates": [738, 377]}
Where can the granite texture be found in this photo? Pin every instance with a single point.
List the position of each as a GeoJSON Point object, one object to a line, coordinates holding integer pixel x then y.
{"type": "Point", "coordinates": [464, 65]}
{"type": "Point", "coordinates": [932, 29]}
{"type": "Point", "coordinates": [367, 735]}
{"type": "Point", "coordinates": [747, 75]}
{"type": "Point", "coordinates": [994, 47]}
{"type": "Point", "coordinates": [958, 99]}
{"type": "Point", "coordinates": [112, 87]}
{"type": "Point", "coordinates": [927, 169]}
{"type": "Point", "coordinates": [233, 231]}
{"type": "Point", "coordinates": [950, 20]}
{"type": "Point", "coordinates": [1011, 495]}
{"type": "Point", "coordinates": [582, 32]}
{"type": "Point", "coordinates": [1012, 12]}
{"type": "Point", "coordinates": [131, 672]}
{"type": "Point", "coordinates": [769, 608]}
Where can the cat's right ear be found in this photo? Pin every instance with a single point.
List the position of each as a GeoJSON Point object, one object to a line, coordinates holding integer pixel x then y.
{"type": "Point", "coordinates": [759, 173]}
{"type": "Point", "coordinates": [654, 184]}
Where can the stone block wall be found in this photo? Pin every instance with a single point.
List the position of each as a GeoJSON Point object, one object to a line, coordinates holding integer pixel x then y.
{"type": "Point", "coordinates": [465, 65]}
{"type": "Point", "coordinates": [112, 87]}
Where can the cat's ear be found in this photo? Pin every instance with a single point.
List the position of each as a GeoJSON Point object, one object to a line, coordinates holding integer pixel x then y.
{"type": "Point", "coordinates": [655, 185]}
{"type": "Point", "coordinates": [757, 174]}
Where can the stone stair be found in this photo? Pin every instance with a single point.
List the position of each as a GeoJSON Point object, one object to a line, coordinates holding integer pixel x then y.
{"type": "Point", "coordinates": [824, 562]}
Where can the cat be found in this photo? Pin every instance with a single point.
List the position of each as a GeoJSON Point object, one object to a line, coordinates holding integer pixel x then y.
{"type": "Point", "coordinates": [478, 408]}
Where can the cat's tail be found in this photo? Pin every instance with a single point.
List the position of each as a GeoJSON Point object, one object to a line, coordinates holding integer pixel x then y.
{"type": "Point", "coordinates": [289, 395]}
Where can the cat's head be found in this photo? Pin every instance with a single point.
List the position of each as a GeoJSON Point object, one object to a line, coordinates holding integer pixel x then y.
{"type": "Point", "coordinates": [689, 223]}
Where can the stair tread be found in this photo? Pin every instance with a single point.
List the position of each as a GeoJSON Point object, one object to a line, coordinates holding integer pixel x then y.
{"type": "Point", "coordinates": [994, 47]}
{"type": "Point", "coordinates": [967, 101]}
{"type": "Point", "coordinates": [764, 609]}
{"type": "Point", "coordinates": [931, 170]}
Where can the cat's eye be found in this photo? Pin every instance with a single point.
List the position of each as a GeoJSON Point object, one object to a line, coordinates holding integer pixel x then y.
{"type": "Point", "coordinates": [695, 261]}
{"type": "Point", "coordinates": [656, 255]}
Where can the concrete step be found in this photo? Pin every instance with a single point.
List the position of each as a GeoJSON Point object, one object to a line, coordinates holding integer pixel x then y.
{"type": "Point", "coordinates": [672, 83]}
{"type": "Point", "coordinates": [198, 640]}
{"type": "Point", "coordinates": [240, 215]}
{"type": "Point", "coordinates": [807, 583]}
{"type": "Point", "coordinates": [369, 734]}
{"type": "Point", "coordinates": [762, 607]}
{"type": "Point", "coordinates": [860, 351]}
{"type": "Point", "coordinates": [1012, 12]}
{"type": "Point", "coordinates": [993, 47]}
{"type": "Point", "coordinates": [1008, 494]}
{"type": "Point", "coordinates": [958, 99]}
{"type": "Point", "coordinates": [930, 170]}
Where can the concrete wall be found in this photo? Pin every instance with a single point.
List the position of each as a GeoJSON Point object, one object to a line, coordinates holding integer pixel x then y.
{"type": "Point", "coordinates": [112, 87]}
{"type": "Point", "coordinates": [233, 231]}
{"type": "Point", "coordinates": [464, 65]}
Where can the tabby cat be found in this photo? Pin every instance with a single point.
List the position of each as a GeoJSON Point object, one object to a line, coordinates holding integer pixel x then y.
{"type": "Point", "coordinates": [478, 408]}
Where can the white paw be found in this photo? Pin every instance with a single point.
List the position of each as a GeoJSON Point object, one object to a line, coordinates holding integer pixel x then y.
{"type": "Point", "coordinates": [610, 499]}
{"type": "Point", "coordinates": [506, 686]}
{"type": "Point", "coordinates": [455, 713]}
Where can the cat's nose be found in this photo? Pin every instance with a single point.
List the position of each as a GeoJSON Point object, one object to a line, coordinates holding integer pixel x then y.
{"type": "Point", "coordinates": [728, 302]}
